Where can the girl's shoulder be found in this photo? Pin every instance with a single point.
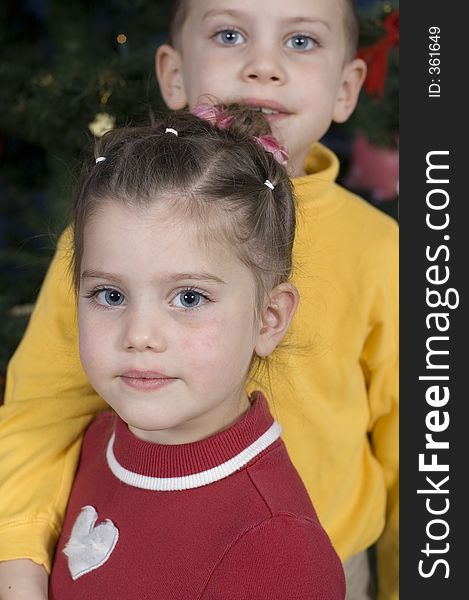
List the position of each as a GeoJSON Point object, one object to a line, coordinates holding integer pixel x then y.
{"type": "Point", "coordinates": [284, 556]}
{"type": "Point", "coordinates": [98, 433]}
{"type": "Point", "coordinates": [279, 485]}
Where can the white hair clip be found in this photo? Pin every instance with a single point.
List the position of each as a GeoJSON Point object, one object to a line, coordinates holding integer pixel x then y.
{"type": "Point", "coordinates": [171, 130]}
{"type": "Point", "coordinates": [100, 159]}
{"type": "Point", "coordinates": [269, 184]}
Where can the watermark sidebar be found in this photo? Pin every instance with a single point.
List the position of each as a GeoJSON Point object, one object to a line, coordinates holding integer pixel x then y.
{"type": "Point", "coordinates": [434, 259]}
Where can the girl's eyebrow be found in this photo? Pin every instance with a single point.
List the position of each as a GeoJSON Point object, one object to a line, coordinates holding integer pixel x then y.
{"type": "Point", "coordinates": [209, 277]}
{"type": "Point", "coordinates": [172, 278]}
{"type": "Point", "coordinates": [92, 274]}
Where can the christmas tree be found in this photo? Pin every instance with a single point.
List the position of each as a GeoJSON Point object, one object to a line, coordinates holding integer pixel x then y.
{"type": "Point", "coordinates": [377, 113]}
{"type": "Point", "coordinates": [367, 143]}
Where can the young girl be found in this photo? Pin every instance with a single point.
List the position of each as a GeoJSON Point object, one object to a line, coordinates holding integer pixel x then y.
{"type": "Point", "coordinates": [183, 235]}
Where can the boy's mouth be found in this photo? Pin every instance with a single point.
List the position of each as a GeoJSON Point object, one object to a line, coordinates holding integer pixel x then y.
{"type": "Point", "coordinates": [272, 110]}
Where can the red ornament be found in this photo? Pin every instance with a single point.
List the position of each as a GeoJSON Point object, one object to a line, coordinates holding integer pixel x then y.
{"type": "Point", "coordinates": [373, 169]}
{"type": "Point", "coordinates": [376, 56]}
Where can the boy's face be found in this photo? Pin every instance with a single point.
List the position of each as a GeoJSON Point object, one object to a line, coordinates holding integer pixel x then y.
{"type": "Point", "coordinates": [287, 58]}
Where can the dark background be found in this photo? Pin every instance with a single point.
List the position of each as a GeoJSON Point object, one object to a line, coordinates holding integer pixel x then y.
{"type": "Point", "coordinates": [64, 72]}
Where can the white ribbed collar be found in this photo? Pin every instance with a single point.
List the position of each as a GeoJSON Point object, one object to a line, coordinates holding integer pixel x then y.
{"type": "Point", "coordinates": [195, 480]}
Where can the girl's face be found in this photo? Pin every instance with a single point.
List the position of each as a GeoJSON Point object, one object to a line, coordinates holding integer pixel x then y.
{"type": "Point", "coordinates": [166, 323]}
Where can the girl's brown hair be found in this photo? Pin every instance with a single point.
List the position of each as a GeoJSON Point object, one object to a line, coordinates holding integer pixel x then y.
{"type": "Point", "coordinates": [212, 175]}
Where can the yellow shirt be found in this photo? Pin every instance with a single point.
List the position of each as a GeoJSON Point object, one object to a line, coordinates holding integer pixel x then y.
{"type": "Point", "coordinates": [333, 386]}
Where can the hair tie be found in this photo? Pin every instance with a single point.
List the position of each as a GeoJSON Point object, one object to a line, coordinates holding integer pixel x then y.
{"type": "Point", "coordinates": [269, 184]}
{"type": "Point", "coordinates": [171, 130]}
{"type": "Point", "coordinates": [100, 159]}
{"type": "Point", "coordinates": [215, 115]}
{"type": "Point", "coordinates": [272, 145]}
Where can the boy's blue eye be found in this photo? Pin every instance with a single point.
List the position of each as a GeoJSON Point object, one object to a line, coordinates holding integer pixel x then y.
{"type": "Point", "coordinates": [110, 297]}
{"type": "Point", "coordinates": [229, 37]}
{"type": "Point", "coordinates": [189, 299]}
{"type": "Point", "coordinates": [301, 42]}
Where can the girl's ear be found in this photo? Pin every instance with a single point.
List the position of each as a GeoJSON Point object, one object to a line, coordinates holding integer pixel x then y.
{"type": "Point", "coordinates": [276, 317]}
{"type": "Point", "coordinates": [168, 66]}
{"type": "Point", "coordinates": [353, 76]}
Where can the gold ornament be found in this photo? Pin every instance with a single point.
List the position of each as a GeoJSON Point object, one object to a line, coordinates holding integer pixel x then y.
{"type": "Point", "coordinates": [22, 310]}
{"type": "Point", "coordinates": [105, 96]}
{"type": "Point", "coordinates": [103, 122]}
{"type": "Point", "coordinates": [46, 80]}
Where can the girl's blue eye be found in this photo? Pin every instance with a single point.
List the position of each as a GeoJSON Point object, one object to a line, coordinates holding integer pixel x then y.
{"type": "Point", "coordinates": [110, 298]}
{"type": "Point", "coordinates": [301, 42]}
{"type": "Point", "coordinates": [189, 299]}
{"type": "Point", "coordinates": [229, 37]}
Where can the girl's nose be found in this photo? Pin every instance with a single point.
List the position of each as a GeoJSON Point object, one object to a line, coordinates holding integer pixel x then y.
{"type": "Point", "coordinates": [143, 330]}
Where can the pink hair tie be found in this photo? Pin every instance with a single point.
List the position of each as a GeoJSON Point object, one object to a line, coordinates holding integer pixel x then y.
{"type": "Point", "coordinates": [218, 118]}
{"type": "Point", "coordinates": [214, 115]}
{"type": "Point", "coordinates": [272, 145]}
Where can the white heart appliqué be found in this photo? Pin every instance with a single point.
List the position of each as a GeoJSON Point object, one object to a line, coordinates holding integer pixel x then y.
{"type": "Point", "coordinates": [89, 547]}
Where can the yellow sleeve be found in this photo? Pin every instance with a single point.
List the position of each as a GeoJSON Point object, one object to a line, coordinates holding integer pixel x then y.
{"type": "Point", "coordinates": [48, 404]}
{"type": "Point", "coordinates": [380, 360]}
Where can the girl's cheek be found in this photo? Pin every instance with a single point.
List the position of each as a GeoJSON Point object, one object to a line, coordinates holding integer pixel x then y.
{"type": "Point", "coordinates": [201, 343]}
{"type": "Point", "coordinates": [197, 345]}
{"type": "Point", "coordinates": [215, 347]}
{"type": "Point", "coordinates": [93, 340]}
{"type": "Point", "coordinates": [89, 353]}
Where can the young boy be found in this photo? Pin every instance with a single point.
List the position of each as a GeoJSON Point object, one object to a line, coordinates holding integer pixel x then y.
{"type": "Point", "coordinates": [335, 392]}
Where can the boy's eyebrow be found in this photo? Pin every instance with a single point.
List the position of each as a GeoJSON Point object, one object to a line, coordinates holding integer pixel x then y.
{"type": "Point", "coordinates": [221, 12]}
{"type": "Point", "coordinates": [173, 278]}
{"type": "Point", "coordinates": [311, 20]}
{"type": "Point", "coordinates": [236, 13]}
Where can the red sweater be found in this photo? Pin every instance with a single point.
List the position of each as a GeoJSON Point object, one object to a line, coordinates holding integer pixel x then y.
{"type": "Point", "coordinates": [225, 518]}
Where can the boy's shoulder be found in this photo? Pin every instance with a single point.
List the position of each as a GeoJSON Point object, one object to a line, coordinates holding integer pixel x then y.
{"type": "Point", "coordinates": [358, 212]}
{"type": "Point", "coordinates": [322, 199]}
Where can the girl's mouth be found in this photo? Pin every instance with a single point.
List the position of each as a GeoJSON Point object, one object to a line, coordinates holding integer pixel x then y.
{"type": "Point", "coordinates": [146, 380]}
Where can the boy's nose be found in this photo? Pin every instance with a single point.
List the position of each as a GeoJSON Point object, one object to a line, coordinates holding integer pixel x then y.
{"type": "Point", "coordinates": [143, 332]}
{"type": "Point", "coordinates": [264, 67]}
